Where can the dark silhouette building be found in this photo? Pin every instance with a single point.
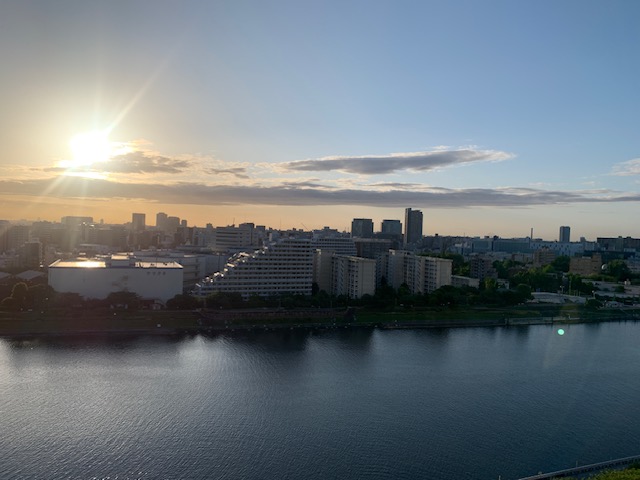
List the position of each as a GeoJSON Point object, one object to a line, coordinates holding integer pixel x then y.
{"type": "Point", "coordinates": [412, 226]}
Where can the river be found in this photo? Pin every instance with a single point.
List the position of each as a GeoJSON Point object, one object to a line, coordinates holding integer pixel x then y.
{"type": "Point", "coordinates": [475, 403]}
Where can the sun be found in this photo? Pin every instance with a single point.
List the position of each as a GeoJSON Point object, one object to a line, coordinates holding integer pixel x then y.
{"type": "Point", "coordinates": [90, 147]}
{"type": "Point", "coordinates": [90, 153]}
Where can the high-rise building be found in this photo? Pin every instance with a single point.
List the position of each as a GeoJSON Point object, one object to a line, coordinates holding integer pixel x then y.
{"type": "Point", "coordinates": [161, 220]}
{"type": "Point", "coordinates": [285, 266]}
{"type": "Point", "coordinates": [17, 235]}
{"type": "Point", "coordinates": [353, 276]}
{"type": "Point", "coordinates": [412, 226]}
{"type": "Point", "coordinates": [337, 244]}
{"type": "Point", "coordinates": [225, 238]}
{"type": "Point", "coordinates": [172, 224]}
{"type": "Point", "coordinates": [421, 274]}
{"type": "Point", "coordinates": [565, 234]}
{"type": "Point", "coordinates": [344, 274]}
{"type": "Point", "coordinates": [138, 222]}
{"type": "Point", "coordinates": [362, 228]}
{"type": "Point", "coordinates": [393, 227]}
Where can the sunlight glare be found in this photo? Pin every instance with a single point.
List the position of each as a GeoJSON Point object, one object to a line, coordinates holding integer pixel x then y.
{"type": "Point", "coordinates": [88, 148]}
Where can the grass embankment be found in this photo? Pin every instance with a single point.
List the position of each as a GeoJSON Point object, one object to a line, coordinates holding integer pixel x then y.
{"type": "Point", "coordinates": [77, 321]}
{"type": "Point", "coordinates": [104, 321]}
{"type": "Point", "coordinates": [521, 314]}
{"type": "Point", "coordinates": [631, 473]}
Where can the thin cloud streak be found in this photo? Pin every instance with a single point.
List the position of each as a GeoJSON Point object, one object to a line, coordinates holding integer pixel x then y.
{"type": "Point", "coordinates": [238, 172]}
{"type": "Point", "coordinates": [304, 194]}
{"type": "Point", "coordinates": [627, 169]}
{"type": "Point", "coordinates": [384, 164]}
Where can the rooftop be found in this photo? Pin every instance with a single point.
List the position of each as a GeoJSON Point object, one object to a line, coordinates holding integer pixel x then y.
{"type": "Point", "coordinates": [120, 262]}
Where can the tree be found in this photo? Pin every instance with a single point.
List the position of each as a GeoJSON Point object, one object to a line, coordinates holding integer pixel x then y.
{"type": "Point", "coordinates": [446, 295]}
{"type": "Point", "coordinates": [183, 302]}
{"type": "Point", "coordinates": [523, 293]}
{"type": "Point", "coordinates": [19, 294]}
{"type": "Point", "coordinates": [38, 296]}
{"type": "Point", "coordinates": [68, 299]}
{"type": "Point", "coordinates": [17, 299]}
{"type": "Point", "coordinates": [593, 304]}
{"type": "Point", "coordinates": [619, 270]}
{"type": "Point", "coordinates": [561, 263]}
{"type": "Point", "coordinates": [128, 300]}
{"type": "Point", "coordinates": [9, 303]}
{"type": "Point", "coordinates": [225, 300]}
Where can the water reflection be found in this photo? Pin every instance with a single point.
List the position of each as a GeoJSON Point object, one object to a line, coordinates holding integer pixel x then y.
{"type": "Point", "coordinates": [347, 403]}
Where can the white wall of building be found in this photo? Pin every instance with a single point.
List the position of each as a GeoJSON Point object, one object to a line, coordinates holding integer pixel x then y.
{"type": "Point", "coordinates": [95, 279]}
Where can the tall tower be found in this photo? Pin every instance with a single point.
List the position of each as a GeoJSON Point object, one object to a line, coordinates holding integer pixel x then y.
{"type": "Point", "coordinates": [412, 226]}
{"type": "Point", "coordinates": [565, 234]}
{"type": "Point", "coordinates": [138, 222]}
{"type": "Point", "coordinates": [161, 221]}
{"type": "Point", "coordinates": [362, 228]}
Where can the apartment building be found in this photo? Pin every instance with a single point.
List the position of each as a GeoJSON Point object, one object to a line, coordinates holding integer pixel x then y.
{"type": "Point", "coordinates": [284, 266]}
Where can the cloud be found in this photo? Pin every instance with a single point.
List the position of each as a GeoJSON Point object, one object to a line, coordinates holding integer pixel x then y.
{"type": "Point", "coordinates": [414, 161]}
{"type": "Point", "coordinates": [397, 185]}
{"type": "Point", "coordinates": [628, 168]}
{"type": "Point", "coordinates": [304, 194]}
{"type": "Point", "coordinates": [239, 172]}
{"type": "Point", "coordinates": [131, 162]}
{"type": "Point", "coordinates": [141, 162]}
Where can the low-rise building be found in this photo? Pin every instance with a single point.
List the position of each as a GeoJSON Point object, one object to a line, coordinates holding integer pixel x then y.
{"type": "Point", "coordinates": [544, 256]}
{"type": "Point", "coordinates": [586, 265]}
{"type": "Point", "coordinates": [98, 277]}
{"type": "Point", "coordinates": [461, 281]}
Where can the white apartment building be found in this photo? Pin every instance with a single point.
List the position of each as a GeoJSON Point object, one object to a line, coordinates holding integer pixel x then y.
{"type": "Point", "coordinates": [344, 275]}
{"type": "Point", "coordinates": [353, 276]}
{"type": "Point", "coordinates": [98, 277]}
{"type": "Point", "coordinates": [426, 274]}
{"type": "Point", "coordinates": [560, 248]}
{"type": "Point", "coordinates": [285, 266]}
{"type": "Point", "coordinates": [230, 238]}
{"type": "Point", "coordinates": [338, 245]}
{"type": "Point", "coordinates": [421, 274]}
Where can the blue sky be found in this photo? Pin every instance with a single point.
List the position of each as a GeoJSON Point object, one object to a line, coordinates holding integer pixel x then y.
{"type": "Point", "coordinates": [491, 117]}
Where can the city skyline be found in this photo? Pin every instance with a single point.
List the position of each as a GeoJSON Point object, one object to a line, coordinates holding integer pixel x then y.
{"type": "Point", "coordinates": [490, 118]}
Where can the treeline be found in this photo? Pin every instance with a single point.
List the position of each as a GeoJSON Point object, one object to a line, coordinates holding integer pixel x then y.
{"type": "Point", "coordinates": [20, 297]}
{"type": "Point", "coordinates": [385, 297]}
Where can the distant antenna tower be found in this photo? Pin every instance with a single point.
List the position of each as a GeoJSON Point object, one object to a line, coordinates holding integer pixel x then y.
{"type": "Point", "coordinates": [531, 237]}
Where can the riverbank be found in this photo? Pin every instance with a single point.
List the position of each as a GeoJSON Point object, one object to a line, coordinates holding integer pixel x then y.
{"type": "Point", "coordinates": [147, 322]}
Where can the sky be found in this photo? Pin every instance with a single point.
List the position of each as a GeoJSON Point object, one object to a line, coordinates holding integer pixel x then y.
{"type": "Point", "coordinates": [491, 117]}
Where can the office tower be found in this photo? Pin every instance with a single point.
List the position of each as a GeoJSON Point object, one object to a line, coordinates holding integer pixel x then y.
{"type": "Point", "coordinates": [138, 222]}
{"type": "Point", "coordinates": [172, 224]}
{"type": "Point", "coordinates": [362, 228]}
{"type": "Point", "coordinates": [393, 227]}
{"type": "Point", "coordinates": [412, 226]}
{"type": "Point", "coordinates": [161, 221]}
{"type": "Point", "coordinates": [565, 234]}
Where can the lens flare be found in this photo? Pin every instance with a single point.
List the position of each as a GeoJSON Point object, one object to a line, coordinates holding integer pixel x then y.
{"type": "Point", "coordinates": [88, 148]}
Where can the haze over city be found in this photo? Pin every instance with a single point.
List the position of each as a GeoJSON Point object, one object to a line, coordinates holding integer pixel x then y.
{"type": "Point", "coordinates": [491, 117]}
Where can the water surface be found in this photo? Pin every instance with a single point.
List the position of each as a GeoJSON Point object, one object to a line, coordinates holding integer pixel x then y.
{"type": "Point", "coordinates": [432, 404]}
